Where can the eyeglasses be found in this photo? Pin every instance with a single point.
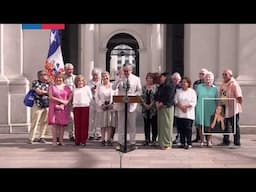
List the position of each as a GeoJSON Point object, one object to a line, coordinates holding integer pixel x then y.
{"type": "Point", "coordinates": [224, 74]}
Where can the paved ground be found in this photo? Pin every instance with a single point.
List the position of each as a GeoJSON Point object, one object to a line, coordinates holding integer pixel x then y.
{"type": "Point", "coordinates": [16, 153]}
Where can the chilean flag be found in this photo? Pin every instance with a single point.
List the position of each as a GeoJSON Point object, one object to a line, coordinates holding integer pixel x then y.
{"type": "Point", "coordinates": [42, 26]}
{"type": "Point", "coordinates": [54, 62]}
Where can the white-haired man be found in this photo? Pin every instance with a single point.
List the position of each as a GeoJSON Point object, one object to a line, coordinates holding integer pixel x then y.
{"type": "Point", "coordinates": [132, 84]}
{"type": "Point", "coordinates": [176, 78]}
{"type": "Point", "coordinates": [94, 131]}
{"type": "Point", "coordinates": [69, 79]}
{"type": "Point", "coordinates": [233, 105]}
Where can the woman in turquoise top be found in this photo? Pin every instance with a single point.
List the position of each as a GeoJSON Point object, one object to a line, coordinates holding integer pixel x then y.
{"type": "Point", "coordinates": [207, 94]}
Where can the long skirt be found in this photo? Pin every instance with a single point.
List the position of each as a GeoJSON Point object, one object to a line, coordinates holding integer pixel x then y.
{"type": "Point", "coordinates": [165, 126]}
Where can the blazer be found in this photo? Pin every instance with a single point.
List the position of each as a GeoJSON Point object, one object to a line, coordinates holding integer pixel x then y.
{"type": "Point", "coordinates": [135, 89]}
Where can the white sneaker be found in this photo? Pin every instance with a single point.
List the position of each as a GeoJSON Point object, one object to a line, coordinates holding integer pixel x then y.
{"type": "Point", "coordinates": [209, 144]}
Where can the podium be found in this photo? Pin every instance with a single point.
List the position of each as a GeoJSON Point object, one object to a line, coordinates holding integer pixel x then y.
{"type": "Point", "coordinates": [122, 98]}
{"type": "Point", "coordinates": [126, 99]}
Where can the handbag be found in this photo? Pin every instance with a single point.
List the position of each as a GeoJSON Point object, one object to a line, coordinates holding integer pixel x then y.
{"type": "Point", "coordinates": [29, 98]}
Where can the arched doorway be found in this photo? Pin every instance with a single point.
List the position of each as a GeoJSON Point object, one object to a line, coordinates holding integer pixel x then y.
{"type": "Point", "coordinates": [122, 48]}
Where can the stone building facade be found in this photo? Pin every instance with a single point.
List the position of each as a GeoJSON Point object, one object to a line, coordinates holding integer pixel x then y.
{"type": "Point", "coordinates": [211, 46]}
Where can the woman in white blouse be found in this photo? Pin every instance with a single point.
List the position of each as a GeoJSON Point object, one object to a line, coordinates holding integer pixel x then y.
{"type": "Point", "coordinates": [185, 102]}
{"type": "Point", "coordinates": [104, 100]}
{"type": "Point", "coordinates": [81, 102]}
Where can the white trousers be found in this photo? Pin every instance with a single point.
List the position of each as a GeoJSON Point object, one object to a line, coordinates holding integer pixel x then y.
{"type": "Point", "coordinates": [93, 130]}
{"type": "Point", "coordinates": [131, 127]}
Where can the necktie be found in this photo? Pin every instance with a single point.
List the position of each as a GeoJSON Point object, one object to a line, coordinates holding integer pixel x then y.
{"type": "Point", "coordinates": [128, 84]}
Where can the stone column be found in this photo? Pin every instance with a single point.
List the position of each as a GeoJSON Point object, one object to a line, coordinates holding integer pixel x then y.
{"type": "Point", "coordinates": [4, 110]}
{"type": "Point", "coordinates": [156, 42]}
{"type": "Point", "coordinates": [13, 120]}
{"type": "Point", "coordinates": [87, 61]}
{"type": "Point", "coordinates": [245, 72]}
{"type": "Point", "coordinates": [227, 49]}
{"type": "Point", "coordinates": [245, 67]}
{"type": "Point", "coordinates": [200, 49]}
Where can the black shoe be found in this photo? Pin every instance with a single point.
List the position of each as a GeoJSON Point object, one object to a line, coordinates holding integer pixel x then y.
{"type": "Point", "coordinates": [103, 143]}
{"type": "Point", "coordinates": [146, 143]}
{"type": "Point", "coordinates": [237, 143]}
{"type": "Point", "coordinates": [133, 147]}
{"type": "Point", "coordinates": [91, 138]}
{"type": "Point", "coordinates": [223, 144]}
{"type": "Point", "coordinates": [71, 139]}
{"type": "Point", "coordinates": [195, 140]}
{"type": "Point", "coordinates": [42, 140]}
{"type": "Point", "coordinates": [109, 143]}
{"type": "Point", "coordinates": [153, 143]}
{"type": "Point", "coordinates": [58, 139]}
{"type": "Point", "coordinates": [174, 142]}
{"type": "Point", "coordinates": [36, 140]}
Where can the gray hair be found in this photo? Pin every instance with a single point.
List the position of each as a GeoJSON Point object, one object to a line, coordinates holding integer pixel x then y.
{"type": "Point", "coordinates": [128, 65]}
{"type": "Point", "coordinates": [209, 74]}
{"type": "Point", "coordinates": [96, 71]}
{"type": "Point", "coordinates": [176, 75]}
{"type": "Point", "coordinates": [68, 65]}
{"type": "Point", "coordinates": [105, 72]}
{"type": "Point", "coordinates": [203, 70]}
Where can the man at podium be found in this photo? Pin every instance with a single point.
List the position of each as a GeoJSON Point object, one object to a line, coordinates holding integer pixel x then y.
{"type": "Point", "coordinates": [130, 84]}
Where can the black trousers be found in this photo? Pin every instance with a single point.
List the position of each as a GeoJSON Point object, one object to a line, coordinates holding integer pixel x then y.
{"type": "Point", "coordinates": [148, 123]}
{"type": "Point", "coordinates": [185, 128]}
{"type": "Point", "coordinates": [175, 125]}
{"type": "Point", "coordinates": [230, 121]}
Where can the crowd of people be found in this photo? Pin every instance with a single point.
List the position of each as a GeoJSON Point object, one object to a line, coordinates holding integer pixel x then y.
{"type": "Point", "coordinates": [88, 112]}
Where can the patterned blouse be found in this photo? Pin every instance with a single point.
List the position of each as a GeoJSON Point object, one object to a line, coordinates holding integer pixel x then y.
{"type": "Point", "coordinates": [148, 97]}
{"type": "Point", "coordinates": [41, 101]}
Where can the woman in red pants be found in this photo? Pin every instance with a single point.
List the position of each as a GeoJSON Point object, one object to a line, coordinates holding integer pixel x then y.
{"type": "Point", "coordinates": [82, 97]}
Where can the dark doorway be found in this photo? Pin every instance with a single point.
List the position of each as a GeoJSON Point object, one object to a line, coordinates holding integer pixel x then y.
{"type": "Point", "coordinates": [175, 48]}
{"type": "Point", "coordinates": [69, 45]}
{"type": "Point", "coordinates": [122, 48]}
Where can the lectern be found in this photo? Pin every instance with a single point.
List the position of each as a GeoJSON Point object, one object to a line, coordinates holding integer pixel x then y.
{"type": "Point", "coordinates": [126, 99]}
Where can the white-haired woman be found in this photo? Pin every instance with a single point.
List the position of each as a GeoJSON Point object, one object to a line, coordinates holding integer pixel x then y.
{"type": "Point", "coordinates": [207, 94]}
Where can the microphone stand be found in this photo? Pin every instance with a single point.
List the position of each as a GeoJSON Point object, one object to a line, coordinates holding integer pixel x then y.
{"type": "Point", "coordinates": [125, 148]}
{"type": "Point", "coordinates": [126, 100]}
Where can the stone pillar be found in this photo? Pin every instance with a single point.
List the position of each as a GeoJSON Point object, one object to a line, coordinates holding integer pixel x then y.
{"type": "Point", "coordinates": [200, 49]}
{"type": "Point", "coordinates": [4, 110]}
{"type": "Point", "coordinates": [245, 72]}
{"type": "Point", "coordinates": [16, 117]}
{"type": "Point", "coordinates": [156, 42]}
{"type": "Point", "coordinates": [87, 61]}
{"type": "Point", "coordinates": [227, 50]}
{"type": "Point", "coordinates": [247, 56]}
